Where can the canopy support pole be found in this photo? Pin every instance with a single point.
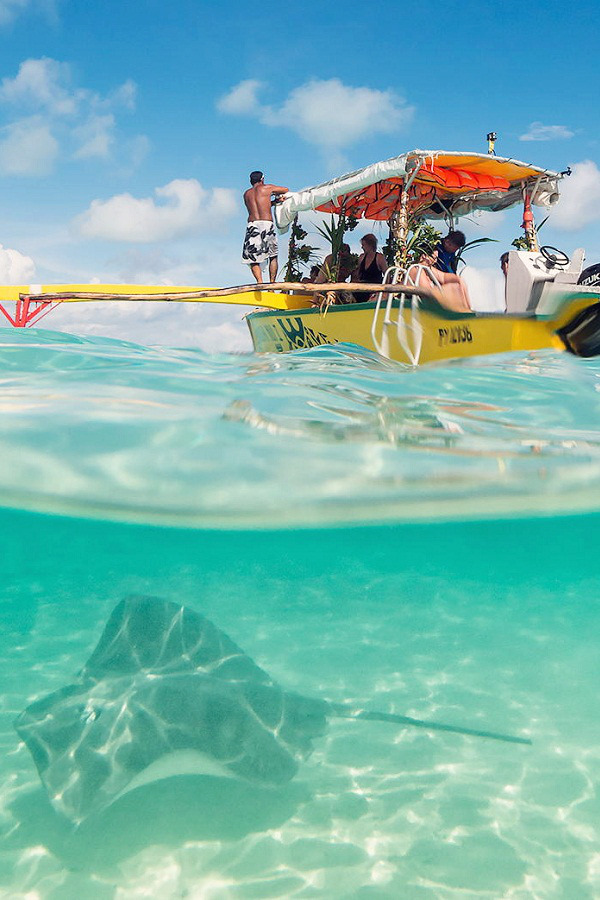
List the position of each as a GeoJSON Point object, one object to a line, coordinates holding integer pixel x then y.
{"type": "Point", "coordinates": [399, 228]}
{"type": "Point", "coordinates": [399, 220]}
{"type": "Point", "coordinates": [529, 224]}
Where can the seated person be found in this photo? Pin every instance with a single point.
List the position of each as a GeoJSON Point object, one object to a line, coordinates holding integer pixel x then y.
{"type": "Point", "coordinates": [312, 277]}
{"type": "Point", "coordinates": [345, 266]}
{"type": "Point", "coordinates": [371, 266]}
{"type": "Point", "coordinates": [450, 290]}
{"type": "Point", "coordinates": [447, 249]}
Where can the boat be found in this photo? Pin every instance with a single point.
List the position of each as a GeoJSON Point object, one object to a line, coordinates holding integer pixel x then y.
{"type": "Point", "coordinates": [551, 300]}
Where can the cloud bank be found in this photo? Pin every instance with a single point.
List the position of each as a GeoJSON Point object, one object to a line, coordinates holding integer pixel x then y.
{"type": "Point", "coordinates": [579, 203]}
{"type": "Point", "coordinates": [327, 113]}
{"type": "Point", "coordinates": [55, 119]}
{"type": "Point", "coordinates": [180, 207]}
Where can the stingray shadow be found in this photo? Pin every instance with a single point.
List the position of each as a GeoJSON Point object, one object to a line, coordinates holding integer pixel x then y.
{"type": "Point", "coordinates": [169, 813]}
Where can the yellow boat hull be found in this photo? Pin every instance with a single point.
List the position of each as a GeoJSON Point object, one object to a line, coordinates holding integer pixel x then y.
{"type": "Point", "coordinates": [444, 335]}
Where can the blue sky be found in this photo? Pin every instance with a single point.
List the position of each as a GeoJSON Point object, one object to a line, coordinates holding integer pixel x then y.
{"type": "Point", "coordinates": [127, 130]}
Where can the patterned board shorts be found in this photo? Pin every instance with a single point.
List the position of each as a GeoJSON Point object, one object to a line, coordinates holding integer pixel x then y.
{"type": "Point", "coordinates": [260, 242]}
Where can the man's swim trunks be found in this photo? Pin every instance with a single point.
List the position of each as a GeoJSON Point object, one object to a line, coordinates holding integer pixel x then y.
{"type": "Point", "coordinates": [260, 242]}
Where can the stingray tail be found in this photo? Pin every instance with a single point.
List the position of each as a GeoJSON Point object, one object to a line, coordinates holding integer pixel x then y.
{"type": "Point", "coordinates": [349, 712]}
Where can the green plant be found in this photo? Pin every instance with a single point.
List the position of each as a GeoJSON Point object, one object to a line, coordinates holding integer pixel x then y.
{"type": "Point", "coordinates": [334, 234]}
{"type": "Point", "coordinates": [521, 242]}
{"type": "Point", "coordinates": [298, 254]}
{"type": "Point", "coordinates": [422, 239]}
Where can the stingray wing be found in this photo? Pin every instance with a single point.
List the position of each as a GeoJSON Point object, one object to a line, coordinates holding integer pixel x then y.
{"type": "Point", "coordinates": [153, 635]}
{"type": "Point", "coordinates": [91, 741]}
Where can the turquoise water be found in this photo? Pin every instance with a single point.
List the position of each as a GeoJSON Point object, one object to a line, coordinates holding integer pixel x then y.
{"type": "Point", "coordinates": [431, 552]}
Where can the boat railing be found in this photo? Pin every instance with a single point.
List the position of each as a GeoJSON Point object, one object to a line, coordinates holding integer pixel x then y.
{"type": "Point", "coordinates": [409, 330]}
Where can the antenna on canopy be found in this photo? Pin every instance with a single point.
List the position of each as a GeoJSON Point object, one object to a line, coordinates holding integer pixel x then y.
{"type": "Point", "coordinates": [492, 137]}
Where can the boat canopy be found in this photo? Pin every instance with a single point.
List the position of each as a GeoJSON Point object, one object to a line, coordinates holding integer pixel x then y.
{"type": "Point", "coordinates": [441, 184]}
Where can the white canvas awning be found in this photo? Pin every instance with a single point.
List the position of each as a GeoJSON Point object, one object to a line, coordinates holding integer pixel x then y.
{"type": "Point", "coordinates": [508, 177]}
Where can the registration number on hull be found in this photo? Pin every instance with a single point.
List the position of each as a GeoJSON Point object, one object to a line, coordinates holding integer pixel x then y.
{"type": "Point", "coordinates": [455, 334]}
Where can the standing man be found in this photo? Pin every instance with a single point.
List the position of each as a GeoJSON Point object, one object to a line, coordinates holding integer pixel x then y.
{"type": "Point", "coordinates": [260, 242]}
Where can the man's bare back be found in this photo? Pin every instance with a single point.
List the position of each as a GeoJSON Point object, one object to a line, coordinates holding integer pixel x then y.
{"type": "Point", "coordinates": [258, 201]}
{"type": "Point", "coordinates": [260, 242]}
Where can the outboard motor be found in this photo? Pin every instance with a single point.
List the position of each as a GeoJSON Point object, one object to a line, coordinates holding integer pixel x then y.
{"type": "Point", "coordinates": [582, 335]}
{"type": "Point", "coordinates": [590, 277]}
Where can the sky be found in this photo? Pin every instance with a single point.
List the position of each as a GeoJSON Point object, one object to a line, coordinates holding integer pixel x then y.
{"type": "Point", "coordinates": [128, 130]}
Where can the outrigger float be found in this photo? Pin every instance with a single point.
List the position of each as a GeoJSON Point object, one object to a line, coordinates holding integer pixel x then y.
{"type": "Point", "coordinates": [551, 302]}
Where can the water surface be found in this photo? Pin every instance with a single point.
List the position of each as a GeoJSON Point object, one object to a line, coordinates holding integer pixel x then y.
{"type": "Point", "coordinates": [430, 551]}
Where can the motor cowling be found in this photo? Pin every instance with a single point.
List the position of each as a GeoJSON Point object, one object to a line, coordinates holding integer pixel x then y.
{"type": "Point", "coordinates": [581, 336]}
{"type": "Point", "coordinates": [590, 277]}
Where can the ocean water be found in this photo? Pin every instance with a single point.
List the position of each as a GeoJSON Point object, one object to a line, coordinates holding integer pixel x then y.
{"type": "Point", "coordinates": [414, 542]}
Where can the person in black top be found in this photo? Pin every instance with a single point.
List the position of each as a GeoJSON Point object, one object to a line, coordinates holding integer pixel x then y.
{"type": "Point", "coordinates": [371, 266]}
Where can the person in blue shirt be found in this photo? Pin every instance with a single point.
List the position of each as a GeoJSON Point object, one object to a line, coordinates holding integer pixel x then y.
{"type": "Point", "coordinates": [439, 275]}
{"type": "Point", "coordinates": [447, 249]}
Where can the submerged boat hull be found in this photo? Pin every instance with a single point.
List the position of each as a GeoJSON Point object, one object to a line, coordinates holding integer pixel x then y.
{"type": "Point", "coordinates": [443, 335]}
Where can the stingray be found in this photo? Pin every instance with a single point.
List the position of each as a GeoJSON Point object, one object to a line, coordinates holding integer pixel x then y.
{"type": "Point", "coordinates": [166, 693]}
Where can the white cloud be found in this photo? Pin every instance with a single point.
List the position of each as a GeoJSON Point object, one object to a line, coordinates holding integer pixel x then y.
{"type": "Point", "coordinates": [125, 95]}
{"type": "Point", "coordinates": [96, 136]}
{"type": "Point", "coordinates": [181, 207]}
{"type": "Point", "coordinates": [65, 116]}
{"type": "Point", "coordinates": [539, 132]}
{"type": "Point", "coordinates": [242, 100]}
{"type": "Point", "coordinates": [41, 84]}
{"type": "Point", "coordinates": [15, 267]}
{"type": "Point", "coordinates": [27, 147]}
{"type": "Point", "coordinates": [331, 114]}
{"type": "Point", "coordinates": [327, 113]}
{"type": "Point", "coordinates": [579, 203]}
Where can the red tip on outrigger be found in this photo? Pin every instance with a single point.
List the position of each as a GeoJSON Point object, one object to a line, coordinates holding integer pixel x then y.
{"type": "Point", "coordinates": [27, 311]}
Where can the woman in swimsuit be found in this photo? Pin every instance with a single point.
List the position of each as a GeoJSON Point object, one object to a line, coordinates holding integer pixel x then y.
{"type": "Point", "coordinates": [371, 266]}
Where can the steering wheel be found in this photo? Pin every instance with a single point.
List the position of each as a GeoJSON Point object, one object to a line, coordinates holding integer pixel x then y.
{"type": "Point", "coordinates": [554, 257]}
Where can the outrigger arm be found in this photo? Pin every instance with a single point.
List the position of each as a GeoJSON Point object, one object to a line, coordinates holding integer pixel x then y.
{"type": "Point", "coordinates": [218, 294]}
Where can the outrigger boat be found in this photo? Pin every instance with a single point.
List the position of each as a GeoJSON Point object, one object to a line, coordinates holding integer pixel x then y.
{"type": "Point", "coordinates": [551, 302]}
